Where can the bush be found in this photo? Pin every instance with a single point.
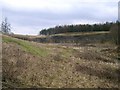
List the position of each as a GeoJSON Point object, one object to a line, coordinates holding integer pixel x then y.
{"type": "Point", "coordinates": [114, 34]}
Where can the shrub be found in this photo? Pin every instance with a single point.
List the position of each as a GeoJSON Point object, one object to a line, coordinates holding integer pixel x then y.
{"type": "Point", "coordinates": [114, 34]}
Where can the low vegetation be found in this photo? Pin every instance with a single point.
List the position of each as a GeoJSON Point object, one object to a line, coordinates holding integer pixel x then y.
{"type": "Point", "coordinates": [26, 46]}
{"type": "Point", "coordinates": [82, 33]}
{"type": "Point", "coordinates": [35, 65]}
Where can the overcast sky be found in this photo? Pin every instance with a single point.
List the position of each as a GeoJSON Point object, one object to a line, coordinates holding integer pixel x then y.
{"type": "Point", "coordinates": [30, 16]}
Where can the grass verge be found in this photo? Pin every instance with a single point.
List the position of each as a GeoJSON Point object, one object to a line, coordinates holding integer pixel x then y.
{"type": "Point", "coordinates": [27, 46]}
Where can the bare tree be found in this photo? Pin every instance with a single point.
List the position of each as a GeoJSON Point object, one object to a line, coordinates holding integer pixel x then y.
{"type": "Point", "coordinates": [115, 33]}
{"type": "Point", "coordinates": [5, 27]}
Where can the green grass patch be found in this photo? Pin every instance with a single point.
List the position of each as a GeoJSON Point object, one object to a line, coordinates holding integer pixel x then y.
{"type": "Point", "coordinates": [27, 46]}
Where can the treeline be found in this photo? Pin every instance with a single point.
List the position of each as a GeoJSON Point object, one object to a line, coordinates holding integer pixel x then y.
{"type": "Point", "coordinates": [77, 28]}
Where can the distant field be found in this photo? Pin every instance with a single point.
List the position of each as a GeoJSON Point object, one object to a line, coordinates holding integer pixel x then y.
{"type": "Point", "coordinates": [85, 37]}
{"type": "Point", "coordinates": [63, 34]}
{"type": "Point", "coordinates": [27, 36]}
{"type": "Point", "coordinates": [37, 65]}
{"type": "Point", "coordinates": [81, 33]}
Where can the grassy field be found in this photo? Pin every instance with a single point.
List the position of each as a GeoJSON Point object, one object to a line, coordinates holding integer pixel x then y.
{"type": "Point", "coordinates": [81, 33]}
{"type": "Point", "coordinates": [75, 38]}
{"type": "Point", "coordinates": [37, 65]}
{"type": "Point", "coordinates": [62, 34]}
{"type": "Point", "coordinates": [25, 45]}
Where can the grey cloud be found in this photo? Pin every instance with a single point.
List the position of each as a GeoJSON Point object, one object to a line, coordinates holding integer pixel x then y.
{"type": "Point", "coordinates": [45, 18]}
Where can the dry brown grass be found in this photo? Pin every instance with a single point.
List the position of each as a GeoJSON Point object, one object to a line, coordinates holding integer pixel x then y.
{"type": "Point", "coordinates": [63, 67]}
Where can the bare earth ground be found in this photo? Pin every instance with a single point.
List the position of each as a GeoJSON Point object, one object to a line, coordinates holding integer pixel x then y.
{"type": "Point", "coordinates": [64, 66]}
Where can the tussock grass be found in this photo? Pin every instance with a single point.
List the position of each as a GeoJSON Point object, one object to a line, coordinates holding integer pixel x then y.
{"type": "Point", "coordinates": [64, 67]}
{"type": "Point", "coordinates": [27, 46]}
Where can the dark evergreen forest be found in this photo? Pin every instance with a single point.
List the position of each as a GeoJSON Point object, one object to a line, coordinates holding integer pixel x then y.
{"type": "Point", "coordinates": [77, 28]}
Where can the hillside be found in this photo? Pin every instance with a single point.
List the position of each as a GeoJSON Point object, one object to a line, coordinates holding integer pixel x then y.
{"type": "Point", "coordinates": [37, 65]}
{"type": "Point", "coordinates": [74, 38]}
